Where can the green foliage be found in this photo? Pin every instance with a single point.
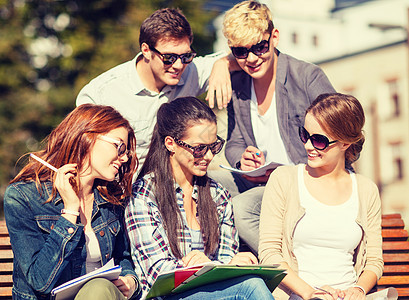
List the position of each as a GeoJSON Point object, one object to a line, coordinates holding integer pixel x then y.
{"type": "Point", "coordinates": [50, 49]}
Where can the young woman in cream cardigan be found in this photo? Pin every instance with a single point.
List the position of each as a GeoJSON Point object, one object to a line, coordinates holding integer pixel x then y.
{"type": "Point", "coordinates": [321, 221]}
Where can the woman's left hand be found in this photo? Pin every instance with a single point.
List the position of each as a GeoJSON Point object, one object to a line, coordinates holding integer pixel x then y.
{"type": "Point", "coordinates": [194, 257]}
{"type": "Point", "coordinates": [244, 258]}
{"type": "Point", "coordinates": [354, 293]}
{"type": "Point", "coordinates": [126, 284]}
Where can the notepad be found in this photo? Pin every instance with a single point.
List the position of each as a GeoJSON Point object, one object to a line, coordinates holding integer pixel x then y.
{"type": "Point", "coordinates": [173, 283]}
{"type": "Point", "coordinates": [261, 171]}
{"type": "Point", "coordinates": [69, 289]}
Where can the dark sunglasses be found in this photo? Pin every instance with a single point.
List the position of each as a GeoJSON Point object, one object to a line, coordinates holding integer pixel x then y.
{"type": "Point", "coordinates": [318, 141]}
{"type": "Point", "coordinates": [258, 49]}
{"type": "Point", "coordinates": [200, 150]}
{"type": "Point", "coordinates": [170, 58]}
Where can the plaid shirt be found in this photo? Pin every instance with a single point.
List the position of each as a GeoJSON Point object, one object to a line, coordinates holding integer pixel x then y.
{"type": "Point", "coordinates": [150, 248]}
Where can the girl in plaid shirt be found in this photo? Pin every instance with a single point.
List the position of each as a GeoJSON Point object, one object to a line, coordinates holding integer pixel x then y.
{"type": "Point", "coordinates": [179, 217]}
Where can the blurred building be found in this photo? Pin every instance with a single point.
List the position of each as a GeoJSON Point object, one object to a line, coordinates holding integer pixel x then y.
{"type": "Point", "coordinates": [362, 47]}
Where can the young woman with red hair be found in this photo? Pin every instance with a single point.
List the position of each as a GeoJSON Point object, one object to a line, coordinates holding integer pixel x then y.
{"type": "Point", "coordinates": [68, 222]}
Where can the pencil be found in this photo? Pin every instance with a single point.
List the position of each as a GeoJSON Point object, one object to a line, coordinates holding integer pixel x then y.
{"type": "Point", "coordinates": [322, 290]}
{"type": "Point", "coordinates": [43, 162]}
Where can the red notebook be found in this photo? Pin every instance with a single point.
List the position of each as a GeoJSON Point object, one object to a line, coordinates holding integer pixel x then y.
{"type": "Point", "coordinates": [182, 275]}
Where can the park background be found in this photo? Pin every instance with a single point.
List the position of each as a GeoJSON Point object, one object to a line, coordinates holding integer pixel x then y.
{"type": "Point", "coordinates": [50, 49]}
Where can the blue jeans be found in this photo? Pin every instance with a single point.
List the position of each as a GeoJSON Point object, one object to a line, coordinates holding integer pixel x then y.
{"type": "Point", "coordinates": [294, 296]}
{"type": "Point", "coordinates": [241, 288]}
{"type": "Point", "coordinates": [247, 198]}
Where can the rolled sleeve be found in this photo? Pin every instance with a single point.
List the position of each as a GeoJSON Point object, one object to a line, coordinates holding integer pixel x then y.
{"type": "Point", "coordinates": [374, 260]}
{"type": "Point", "coordinates": [149, 245]}
{"type": "Point", "coordinates": [44, 260]}
{"type": "Point", "coordinates": [272, 221]}
{"type": "Point", "coordinates": [204, 65]}
{"type": "Point", "coordinates": [229, 240]}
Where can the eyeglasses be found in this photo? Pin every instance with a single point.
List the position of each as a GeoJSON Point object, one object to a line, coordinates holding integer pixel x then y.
{"type": "Point", "coordinates": [121, 147]}
{"type": "Point", "coordinates": [170, 58]}
{"type": "Point", "coordinates": [318, 141]}
{"type": "Point", "coordinates": [201, 150]}
{"type": "Point", "coordinates": [258, 49]}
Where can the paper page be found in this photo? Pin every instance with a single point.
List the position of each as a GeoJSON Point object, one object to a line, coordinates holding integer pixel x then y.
{"type": "Point", "coordinates": [209, 263]}
{"type": "Point", "coordinates": [71, 288]}
{"type": "Point", "coordinates": [386, 294]}
{"type": "Point", "coordinates": [261, 171]}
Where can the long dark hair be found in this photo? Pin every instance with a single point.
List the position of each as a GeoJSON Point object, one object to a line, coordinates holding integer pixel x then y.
{"type": "Point", "coordinates": [342, 117]}
{"type": "Point", "coordinates": [173, 119]}
{"type": "Point", "coordinates": [71, 141]}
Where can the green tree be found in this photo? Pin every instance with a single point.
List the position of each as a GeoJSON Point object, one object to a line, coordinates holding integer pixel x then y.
{"type": "Point", "coordinates": [50, 49]}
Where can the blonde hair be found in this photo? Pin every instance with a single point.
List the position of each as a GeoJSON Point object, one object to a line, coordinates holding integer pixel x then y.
{"type": "Point", "coordinates": [246, 22]}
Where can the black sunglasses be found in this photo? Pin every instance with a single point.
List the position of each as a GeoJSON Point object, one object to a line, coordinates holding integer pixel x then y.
{"type": "Point", "coordinates": [258, 49]}
{"type": "Point", "coordinates": [201, 150]}
{"type": "Point", "coordinates": [170, 58]}
{"type": "Point", "coordinates": [318, 141]}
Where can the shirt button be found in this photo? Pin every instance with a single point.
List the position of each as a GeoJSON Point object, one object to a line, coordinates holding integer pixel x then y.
{"type": "Point", "coordinates": [101, 233]}
{"type": "Point", "coordinates": [107, 256]}
{"type": "Point", "coordinates": [70, 230]}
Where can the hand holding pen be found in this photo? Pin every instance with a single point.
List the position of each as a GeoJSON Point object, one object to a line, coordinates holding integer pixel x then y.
{"type": "Point", "coordinates": [252, 158]}
{"type": "Point", "coordinates": [64, 182]}
{"type": "Point", "coordinates": [327, 292]}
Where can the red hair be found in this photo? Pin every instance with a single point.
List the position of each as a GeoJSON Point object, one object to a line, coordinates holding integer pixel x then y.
{"type": "Point", "coordinates": [71, 141]}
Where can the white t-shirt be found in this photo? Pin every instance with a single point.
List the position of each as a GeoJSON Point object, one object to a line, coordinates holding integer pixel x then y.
{"type": "Point", "coordinates": [266, 132]}
{"type": "Point", "coordinates": [94, 258]}
{"type": "Point", "coordinates": [325, 239]}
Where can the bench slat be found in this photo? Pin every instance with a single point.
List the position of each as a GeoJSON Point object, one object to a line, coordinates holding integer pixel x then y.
{"type": "Point", "coordinates": [393, 223]}
{"type": "Point", "coordinates": [396, 257]}
{"type": "Point", "coordinates": [391, 216]}
{"type": "Point", "coordinates": [394, 233]}
{"type": "Point", "coordinates": [6, 254]}
{"type": "Point", "coordinates": [6, 267]}
{"type": "Point", "coordinates": [395, 269]}
{"type": "Point", "coordinates": [395, 246]}
{"type": "Point", "coordinates": [6, 280]}
{"type": "Point", "coordinates": [5, 243]}
{"type": "Point", "coordinates": [5, 292]}
{"type": "Point", "coordinates": [393, 280]}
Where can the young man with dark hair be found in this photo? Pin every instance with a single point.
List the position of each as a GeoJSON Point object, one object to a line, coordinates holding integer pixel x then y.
{"type": "Point", "coordinates": [165, 69]}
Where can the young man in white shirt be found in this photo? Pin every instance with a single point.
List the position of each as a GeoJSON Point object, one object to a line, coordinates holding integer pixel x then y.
{"type": "Point", "coordinates": [165, 69]}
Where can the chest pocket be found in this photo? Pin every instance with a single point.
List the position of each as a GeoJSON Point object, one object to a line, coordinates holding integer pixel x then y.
{"type": "Point", "coordinates": [114, 227]}
{"type": "Point", "coordinates": [141, 128]}
{"type": "Point", "coordinates": [46, 223]}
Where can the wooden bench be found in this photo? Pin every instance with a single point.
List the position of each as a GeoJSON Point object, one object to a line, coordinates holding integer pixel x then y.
{"type": "Point", "coordinates": [6, 263]}
{"type": "Point", "coordinates": [395, 256]}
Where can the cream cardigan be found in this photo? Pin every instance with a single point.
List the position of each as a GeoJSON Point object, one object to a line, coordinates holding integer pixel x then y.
{"type": "Point", "coordinates": [281, 210]}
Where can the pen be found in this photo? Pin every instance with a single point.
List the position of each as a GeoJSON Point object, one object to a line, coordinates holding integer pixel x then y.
{"type": "Point", "coordinates": [322, 290]}
{"type": "Point", "coordinates": [43, 162]}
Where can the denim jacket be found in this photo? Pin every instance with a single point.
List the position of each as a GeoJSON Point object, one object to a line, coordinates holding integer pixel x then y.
{"type": "Point", "coordinates": [50, 250]}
